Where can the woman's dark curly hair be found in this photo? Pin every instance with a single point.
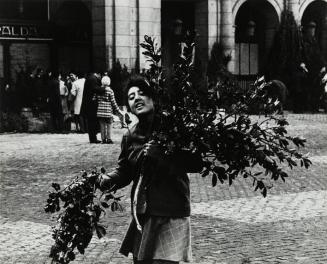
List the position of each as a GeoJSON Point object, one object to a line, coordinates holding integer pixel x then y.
{"type": "Point", "coordinates": [140, 82]}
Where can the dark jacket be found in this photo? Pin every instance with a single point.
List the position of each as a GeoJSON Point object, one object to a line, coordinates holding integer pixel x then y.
{"type": "Point", "coordinates": [54, 96]}
{"type": "Point", "coordinates": [166, 184]}
{"type": "Point", "coordinates": [92, 86]}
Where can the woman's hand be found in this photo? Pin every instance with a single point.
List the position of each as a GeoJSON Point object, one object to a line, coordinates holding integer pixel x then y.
{"type": "Point", "coordinates": [122, 121]}
{"type": "Point", "coordinates": [103, 182]}
{"type": "Point", "coordinates": [151, 149]}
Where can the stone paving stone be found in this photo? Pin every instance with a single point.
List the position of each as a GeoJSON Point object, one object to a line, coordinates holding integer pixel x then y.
{"type": "Point", "coordinates": [295, 206]}
{"type": "Point", "coordinates": [226, 236]}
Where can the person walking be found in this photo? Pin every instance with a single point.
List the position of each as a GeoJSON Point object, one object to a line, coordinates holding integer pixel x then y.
{"type": "Point", "coordinates": [77, 93]}
{"type": "Point", "coordinates": [107, 106]}
{"type": "Point", "coordinates": [160, 195]}
{"type": "Point", "coordinates": [89, 105]}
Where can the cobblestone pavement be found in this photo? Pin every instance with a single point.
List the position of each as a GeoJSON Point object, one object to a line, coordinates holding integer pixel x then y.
{"type": "Point", "coordinates": [230, 224]}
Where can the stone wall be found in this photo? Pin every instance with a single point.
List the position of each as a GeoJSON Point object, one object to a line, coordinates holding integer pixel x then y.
{"type": "Point", "coordinates": [149, 23]}
{"type": "Point", "coordinates": [119, 27]}
{"type": "Point", "coordinates": [202, 29]}
{"type": "Point", "coordinates": [100, 33]}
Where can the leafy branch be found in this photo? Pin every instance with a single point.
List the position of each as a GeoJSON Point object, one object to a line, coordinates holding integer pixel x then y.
{"type": "Point", "coordinates": [232, 143]}
{"type": "Point", "coordinates": [80, 209]}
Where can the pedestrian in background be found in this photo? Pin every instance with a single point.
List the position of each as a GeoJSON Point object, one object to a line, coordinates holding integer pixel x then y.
{"type": "Point", "coordinates": [160, 195]}
{"type": "Point", "coordinates": [77, 97]}
{"type": "Point", "coordinates": [64, 103]}
{"type": "Point", "coordinates": [301, 88]}
{"type": "Point", "coordinates": [54, 102]}
{"type": "Point", "coordinates": [71, 77]}
{"type": "Point", "coordinates": [107, 107]}
{"type": "Point", "coordinates": [323, 84]}
{"type": "Point", "coordinates": [89, 105]}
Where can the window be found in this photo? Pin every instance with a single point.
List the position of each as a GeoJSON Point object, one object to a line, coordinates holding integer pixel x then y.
{"type": "Point", "coordinates": [23, 9]}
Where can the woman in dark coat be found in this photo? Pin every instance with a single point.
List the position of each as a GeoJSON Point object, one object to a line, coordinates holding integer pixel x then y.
{"type": "Point", "coordinates": [160, 196]}
{"type": "Point", "coordinates": [92, 86]}
{"type": "Point", "coordinates": [54, 102]}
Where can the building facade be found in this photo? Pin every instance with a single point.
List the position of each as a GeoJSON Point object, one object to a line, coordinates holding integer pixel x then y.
{"type": "Point", "coordinates": [83, 34]}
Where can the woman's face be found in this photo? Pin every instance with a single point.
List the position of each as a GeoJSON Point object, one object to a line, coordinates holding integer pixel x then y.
{"type": "Point", "coordinates": [138, 102]}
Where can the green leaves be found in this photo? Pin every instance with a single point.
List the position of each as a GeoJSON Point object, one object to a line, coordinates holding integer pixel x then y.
{"type": "Point", "coordinates": [221, 173]}
{"type": "Point", "coordinates": [231, 142]}
{"type": "Point", "coordinates": [100, 230]}
{"type": "Point", "coordinates": [214, 179]}
{"type": "Point", "coordinates": [80, 216]}
{"type": "Point", "coordinates": [56, 186]}
{"type": "Point", "coordinates": [299, 141]}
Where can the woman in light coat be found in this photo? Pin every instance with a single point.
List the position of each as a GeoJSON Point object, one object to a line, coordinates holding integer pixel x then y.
{"type": "Point", "coordinates": [77, 92]}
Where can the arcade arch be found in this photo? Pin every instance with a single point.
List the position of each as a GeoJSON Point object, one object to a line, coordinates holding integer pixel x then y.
{"type": "Point", "coordinates": [276, 5]}
{"type": "Point", "coordinates": [314, 22]}
{"type": "Point", "coordinates": [256, 23]}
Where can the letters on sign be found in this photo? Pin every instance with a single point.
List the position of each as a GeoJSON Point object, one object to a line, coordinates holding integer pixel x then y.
{"type": "Point", "coordinates": [19, 31]}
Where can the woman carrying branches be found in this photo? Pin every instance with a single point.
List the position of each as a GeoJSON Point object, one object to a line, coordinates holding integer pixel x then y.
{"type": "Point", "coordinates": [160, 196]}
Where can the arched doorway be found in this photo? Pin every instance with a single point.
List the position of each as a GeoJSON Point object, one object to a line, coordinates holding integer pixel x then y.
{"type": "Point", "coordinates": [72, 26]}
{"type": "Point", "coordinates": [176, 18]}
{"type": "Point", "coordinates": [314, 24]}
{"type": "Point", "coordinates": [256, 23]}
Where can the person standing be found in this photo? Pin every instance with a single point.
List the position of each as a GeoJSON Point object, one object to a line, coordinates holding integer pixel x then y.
{"type": "Point", "coordinates": [160, 195]}
{"type": "Point", "coordinates": [301, 90]}
{"type": "Point", "coordinates": [89, 105]}
{"type": "Point", "coordinates": [77, 93]}
{"type": "Point", "coordinates": [323, 84]}
{"type": "Point", "coordinates": [54, 102]}
{"type": "Point", "coordinates": [107, 106]}
{"type": "Point", "coordinates": [64, 103]}
{"type": "Point", "coordinates": [71, 77]}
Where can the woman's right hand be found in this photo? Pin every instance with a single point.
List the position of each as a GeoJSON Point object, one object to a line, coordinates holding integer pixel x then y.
{"type": "Point", "coordinates": [103, 182]}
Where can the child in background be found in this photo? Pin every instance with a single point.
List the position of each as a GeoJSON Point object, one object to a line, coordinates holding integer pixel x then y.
{"type": "Point", "coordinates": [107, 107]}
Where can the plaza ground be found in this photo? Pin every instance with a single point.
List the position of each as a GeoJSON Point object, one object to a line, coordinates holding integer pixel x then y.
{"type": "Point", "coordinates": [230, 224]}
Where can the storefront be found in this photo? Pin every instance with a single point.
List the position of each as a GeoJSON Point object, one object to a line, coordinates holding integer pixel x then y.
{"type": "Point", "coordinates": [24, 48]}
{"type": "Point", "coordinates": [37, 37]}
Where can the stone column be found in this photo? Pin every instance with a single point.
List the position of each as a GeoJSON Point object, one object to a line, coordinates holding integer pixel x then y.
{"type": "Point", "coordinates": [227, 34]}
{"type": "Point", "coordinates": [100, 9]}
{"type": "Point", "coordinates": [134, 34]}
{"type": "Point", "coordinates": [119, 32]}
{"type": "Point", "coordinates": [202, 28]}
{"type": "Point", "coordinates": [213, 23]}
{"type": "Point", "coordinates": [149, 24]}
{"type": "Point", "coordinates": [293, 6]}
{"type": "Point", "coordinates": [122, 31]}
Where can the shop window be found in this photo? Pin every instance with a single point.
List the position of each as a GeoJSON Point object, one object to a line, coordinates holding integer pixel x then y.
{"type": "Point", "coordinates": [1, 62]}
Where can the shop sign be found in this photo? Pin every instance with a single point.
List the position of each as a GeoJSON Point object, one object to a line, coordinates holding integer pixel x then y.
{"type": "Point", "coordinates": [22, 31]}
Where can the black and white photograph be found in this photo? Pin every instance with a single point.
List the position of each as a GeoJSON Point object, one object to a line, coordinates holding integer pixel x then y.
{"type": "Point", "coordinates": [163, 131]}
